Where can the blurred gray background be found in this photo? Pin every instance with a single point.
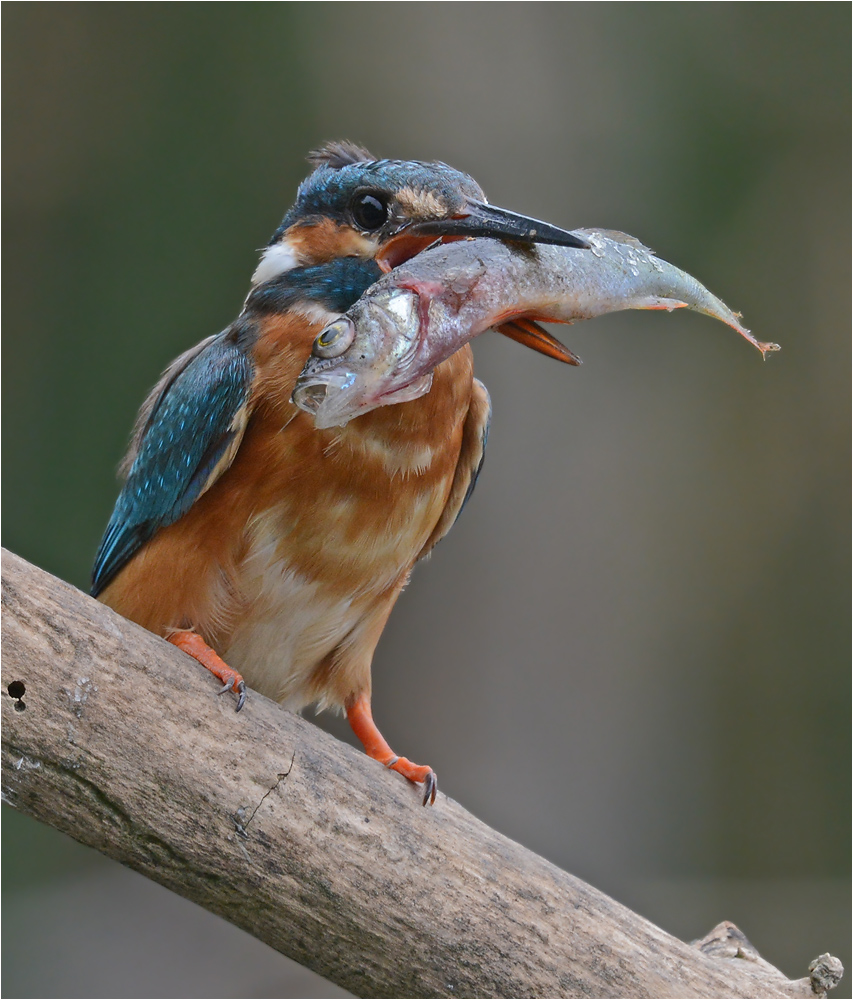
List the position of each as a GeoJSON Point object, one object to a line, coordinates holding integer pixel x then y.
{"type": "Point", "coordinates": [632, 652]}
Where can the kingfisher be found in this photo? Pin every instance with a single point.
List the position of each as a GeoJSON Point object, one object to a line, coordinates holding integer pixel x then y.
{"type": "Point", "coordinates": [268, 550]}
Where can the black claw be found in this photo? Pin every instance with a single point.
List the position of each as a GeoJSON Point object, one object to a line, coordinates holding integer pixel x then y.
{"type": "Point", "coordinates": [239, 689]}
{"type": "Point", "coordinates": [430, 788]}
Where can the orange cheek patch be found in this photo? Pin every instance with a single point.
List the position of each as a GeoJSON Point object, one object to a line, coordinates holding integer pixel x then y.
{"type": "Point", "coordinates": [317, 241]}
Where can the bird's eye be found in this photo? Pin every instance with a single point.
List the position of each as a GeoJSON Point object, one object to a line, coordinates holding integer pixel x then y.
{"type": "Point", "coordinates": [335, 339]}
{"type": "Point", "coordinates": [369, 211]}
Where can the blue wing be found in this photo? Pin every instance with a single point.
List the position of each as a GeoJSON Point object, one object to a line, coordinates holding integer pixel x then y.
{"type": "Point", "coordinates": [186, 436]}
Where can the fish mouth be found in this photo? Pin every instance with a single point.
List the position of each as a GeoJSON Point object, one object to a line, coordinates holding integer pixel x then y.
{"type": "Point", "coordinates": [309, 397]}
{"type": "Point", "coordinates": [327, 396]}
{"type": "Point", "coordinates": [333, 400]}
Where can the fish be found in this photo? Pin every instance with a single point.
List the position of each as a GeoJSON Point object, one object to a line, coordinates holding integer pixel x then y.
{"type": "Point", "coordinates": [385, 348]}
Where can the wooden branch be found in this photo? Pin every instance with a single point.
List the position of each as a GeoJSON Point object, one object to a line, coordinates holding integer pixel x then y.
{"type": "Point", "coordinates": [115, 737]}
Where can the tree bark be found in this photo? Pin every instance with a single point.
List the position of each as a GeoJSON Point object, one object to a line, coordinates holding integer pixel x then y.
{"type": "Point", "coordinates": [114, 736]}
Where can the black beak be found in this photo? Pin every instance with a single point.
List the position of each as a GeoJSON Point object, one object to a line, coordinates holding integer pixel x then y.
{"type": "Point", "coordinates": [480, 219]}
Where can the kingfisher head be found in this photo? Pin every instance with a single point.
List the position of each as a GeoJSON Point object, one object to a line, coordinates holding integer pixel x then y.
{"type": "Point", "coordinates": [355, 206]}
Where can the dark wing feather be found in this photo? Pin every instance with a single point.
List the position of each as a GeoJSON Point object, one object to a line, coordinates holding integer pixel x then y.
{"type": "Point", "coordinates": [475, 434]}
{"type": "Point", "coordinates": [187, 435]}
{"type": "Point", "coordinates": [152, 401]}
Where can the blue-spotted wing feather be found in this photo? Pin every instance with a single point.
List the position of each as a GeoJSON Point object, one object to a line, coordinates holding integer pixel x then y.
{"type": "Point", "coordinates": [187, 435]}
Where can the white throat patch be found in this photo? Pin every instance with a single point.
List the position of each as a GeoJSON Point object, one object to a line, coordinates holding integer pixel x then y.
{"type": "Point", "coordinates": [275, 260]}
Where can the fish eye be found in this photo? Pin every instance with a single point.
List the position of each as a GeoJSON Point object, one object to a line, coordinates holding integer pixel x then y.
{"type": "Point", "coordinates": [335, 339]}
{"type": "Point", "coordinates": [369, 211]}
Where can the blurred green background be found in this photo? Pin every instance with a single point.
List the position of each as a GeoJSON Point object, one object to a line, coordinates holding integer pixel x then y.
{"type": "Point", "coordinates": [632, 653]}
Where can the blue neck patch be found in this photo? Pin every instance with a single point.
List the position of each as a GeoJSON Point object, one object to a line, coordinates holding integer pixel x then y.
{"type": "Point", "coordinates": [335, 285]}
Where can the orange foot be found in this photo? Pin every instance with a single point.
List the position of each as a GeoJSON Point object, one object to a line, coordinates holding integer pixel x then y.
{"type": "Point", "coordinates": [198, 649]}
{"type": "Point", "coordinates": [361, 720]}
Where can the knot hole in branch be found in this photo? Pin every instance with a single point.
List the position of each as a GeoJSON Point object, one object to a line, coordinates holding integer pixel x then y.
{"type": "Point", "coordinates": [17, 690]}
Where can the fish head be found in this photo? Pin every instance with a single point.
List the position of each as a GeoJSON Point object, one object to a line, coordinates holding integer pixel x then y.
{"type": "Point", "coordinates": [361, 360]}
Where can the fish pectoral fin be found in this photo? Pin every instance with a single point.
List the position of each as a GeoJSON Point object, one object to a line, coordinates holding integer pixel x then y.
{"type": "Point", "coordinates": [531, 334]}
